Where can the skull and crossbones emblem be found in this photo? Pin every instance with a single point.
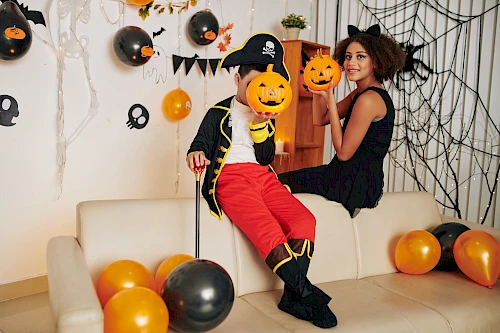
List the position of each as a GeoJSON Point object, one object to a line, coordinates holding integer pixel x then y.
{"type": "Point", "coordinates": [269, 49]}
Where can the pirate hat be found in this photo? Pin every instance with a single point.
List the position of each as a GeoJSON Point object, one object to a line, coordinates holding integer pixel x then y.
{"type": "Point", "coordinates": [260, 48]}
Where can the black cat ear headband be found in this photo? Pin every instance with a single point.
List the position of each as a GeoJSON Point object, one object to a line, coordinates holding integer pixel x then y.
{"type": "Point", "coordinates": [374, 30]}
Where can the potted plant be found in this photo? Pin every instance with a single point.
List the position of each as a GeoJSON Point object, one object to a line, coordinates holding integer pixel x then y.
{"type": "Point", "coordinates": [293, 23]}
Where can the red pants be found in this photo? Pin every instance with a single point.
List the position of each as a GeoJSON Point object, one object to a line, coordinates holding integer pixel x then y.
{"type": "Point", "coordinates": [262, 207]}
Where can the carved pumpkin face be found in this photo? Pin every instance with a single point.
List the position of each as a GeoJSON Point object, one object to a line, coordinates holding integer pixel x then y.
{"type": "Point", "coordinates": [320, 71]}
{"type": "Point", "coordinates": [210, 35]}
{"type": "Point", "coordinates": [269, 92]}
{"type": "Point", "coordinates": [147, 51]}
{"type": "Point", "coordinates": [15, 33]}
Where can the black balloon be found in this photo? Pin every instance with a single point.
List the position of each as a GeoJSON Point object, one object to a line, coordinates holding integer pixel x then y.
{"type": "Point", "coordinates": [132, 46]}
{"type": "Point", "coordinates": [203, 27]}
{"type": "Point", "coordinates": [447, 234]}
{"type": "Point", "coordinates": [199, 295]}
{"type": "Point", "coordinates": [15, 32]}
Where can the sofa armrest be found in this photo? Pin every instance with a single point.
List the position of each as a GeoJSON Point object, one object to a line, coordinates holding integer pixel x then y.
{"type": "Point", "coordinates": [473, 226]}
{"type": "Point", "coordinates": [74, 305]}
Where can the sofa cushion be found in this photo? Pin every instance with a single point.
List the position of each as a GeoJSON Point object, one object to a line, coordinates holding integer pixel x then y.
{"type": "Point", "coordinates": [244, 318]}
{"type": "Point", "coordinates": [150, 231]}
{"type": "Point", "coordinates": [359, 307]}
{"type": "Point", "coordinates": [466, 305]}
{"type": "Point", "coordinates": [378, 230]}
{"type": "Point", "coordinates": [334, 255]}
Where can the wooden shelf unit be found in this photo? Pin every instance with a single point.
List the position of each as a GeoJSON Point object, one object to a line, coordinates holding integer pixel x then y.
{"type": "Point", "coordinates": [303, 141]}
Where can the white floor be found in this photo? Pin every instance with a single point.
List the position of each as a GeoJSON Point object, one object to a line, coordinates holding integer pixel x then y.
{"type": "Point", "coordinates": [25, 315]}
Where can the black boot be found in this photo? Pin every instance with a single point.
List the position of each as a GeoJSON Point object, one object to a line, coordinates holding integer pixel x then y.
{"type": "Point", "coordinates": [301, 298]}
{"type": "Point", "coordinates": [325, 318]}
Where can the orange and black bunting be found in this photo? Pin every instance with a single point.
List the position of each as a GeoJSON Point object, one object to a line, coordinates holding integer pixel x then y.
{"type": "Point", "coordinates": [203, 64]}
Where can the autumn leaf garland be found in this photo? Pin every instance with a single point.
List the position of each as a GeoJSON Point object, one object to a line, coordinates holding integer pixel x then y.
{"type": "Point", "coordinates": [171, 7]}
{"type": "Point", "coordinates": [226, 39]}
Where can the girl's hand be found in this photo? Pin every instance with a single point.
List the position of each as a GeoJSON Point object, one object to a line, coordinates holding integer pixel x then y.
{"type": "Point", "coordinates": [326, 94]}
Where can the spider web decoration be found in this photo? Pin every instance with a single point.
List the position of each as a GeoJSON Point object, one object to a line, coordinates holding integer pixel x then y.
{"type": "Point", "coordinates": [444, 138]}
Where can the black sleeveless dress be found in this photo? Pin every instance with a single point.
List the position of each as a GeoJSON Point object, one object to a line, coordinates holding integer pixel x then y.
{"type": "Point", "coordinates": [358, 182]}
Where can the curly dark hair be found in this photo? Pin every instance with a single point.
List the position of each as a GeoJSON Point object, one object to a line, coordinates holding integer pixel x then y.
{"type": "Point", "coordinates": [385, 52]}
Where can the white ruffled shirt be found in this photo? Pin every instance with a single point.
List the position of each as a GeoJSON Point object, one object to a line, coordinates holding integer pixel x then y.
{"type": "Point", "coordinates": [242, 150]}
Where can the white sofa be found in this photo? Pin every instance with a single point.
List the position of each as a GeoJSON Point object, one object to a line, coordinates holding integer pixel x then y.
{"type": "Point", "coordinates": [353, 263]}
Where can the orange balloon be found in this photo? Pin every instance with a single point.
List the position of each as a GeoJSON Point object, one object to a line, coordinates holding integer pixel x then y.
{"type": "Point", "coordinates": [477, 254]}
{"type": "Point", "coordinates": [120, 275]}
{"type": "Point", "coordinates": [167, 266]}
{"type": "Point", "coordinates": [139, 2]}
{"type": "Point", "coordinates": [176, 105]}
{"type": "Point", "coordinates": [417, 252]}
{"type": "Point", "coordinates": [136, 310]}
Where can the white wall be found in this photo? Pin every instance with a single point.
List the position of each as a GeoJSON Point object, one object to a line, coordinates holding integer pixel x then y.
{"type": "Point", "coordinates": [107, 160]}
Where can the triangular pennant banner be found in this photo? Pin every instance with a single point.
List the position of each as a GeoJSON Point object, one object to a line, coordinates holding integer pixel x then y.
{"type": "Point", "coordinates": [214, 63]}
{"type": "Point", "coordinates": [177, 60]}
{"type": "Point", "coordinates": [202, 63]}
{"type": "Point", "coordinates": [228, 70]}
{"type": "Point", "coordinates": [189, 62]}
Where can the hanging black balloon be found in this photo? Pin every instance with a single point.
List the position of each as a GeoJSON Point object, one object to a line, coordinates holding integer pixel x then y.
{"type": "Point", "coordinates": [15, 32]}
{"type": "Point", "coordinates": [203, 27]}
{"type": "Point", "coordinates": [133, 46]}
{"type": "Point", "coordinates": [447, 234]}
{"type": "Point", "coordinates": [199, 295]}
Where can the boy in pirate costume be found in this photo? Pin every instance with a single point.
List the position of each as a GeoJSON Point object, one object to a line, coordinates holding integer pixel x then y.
{"type": "Point", "coordinates": [237, 146]}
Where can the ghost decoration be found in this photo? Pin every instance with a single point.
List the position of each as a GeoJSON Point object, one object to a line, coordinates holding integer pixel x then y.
{"type": "Point", "coordinates": [138, 117]}
{"type": "Point", "coordinates": [8, 110]}
{"type": "Point", "coordinates": [156, 67]}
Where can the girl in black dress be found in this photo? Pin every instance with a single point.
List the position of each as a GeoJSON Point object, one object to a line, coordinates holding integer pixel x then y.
{"type": "Point", "coordinates": [355, 176]}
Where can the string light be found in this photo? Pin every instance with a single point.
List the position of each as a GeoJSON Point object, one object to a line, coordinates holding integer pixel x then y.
{"type": "Point", "coordinates": [178, 139]}
{"type": "Point", "coordinates": [309, 28]}
{"type": "Point", "coordinates": [251, 16]}
{"type": "Point", "coordinates": [120, 16]}
{"type": "Point", "coordinates": [62, 143]}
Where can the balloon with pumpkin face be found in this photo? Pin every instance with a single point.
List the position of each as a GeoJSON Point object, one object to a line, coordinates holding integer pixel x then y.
{"type": "Point", "coordinates": [15, 32]}
{"type": "Point", "coordinates": [322, 70]}
{"type": "Point", "coordinates": [269, 92]}
{"type": "Point", "coordinates": [203, 27]}
{"type": "Point", "coordinates": [132, 46]}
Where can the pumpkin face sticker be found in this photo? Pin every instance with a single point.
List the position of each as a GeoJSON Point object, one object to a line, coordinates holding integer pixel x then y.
{"type": "Point", "coordinates": [210, 35]}
{"type": "Point", "coordinates": [320, 71]}
{"type": "Point", "coordinates": [269, 92]}
{"type": "Point", "coordinates": [147, 51]}
{"type": "Point", "coordinates": [15, 33]}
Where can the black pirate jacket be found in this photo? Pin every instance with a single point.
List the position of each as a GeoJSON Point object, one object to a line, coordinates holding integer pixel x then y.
{"type": "Point", "coordinates": [214, 139]}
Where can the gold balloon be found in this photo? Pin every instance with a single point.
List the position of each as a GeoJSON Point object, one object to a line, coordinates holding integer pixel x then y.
{"type": "Point", "coordinates": [120, 275]}
{"type": "Point", "coordinates": [167, 266]}
{"type": "Point", "coordinates": [477, 254]}
{"type": "Point", "coordinates": [176, 105]}
{"type": "Point", "coordinates": [139, 2]}
{"type": "Point", "coordinates": [417, 252]}
{"type": "Point", "coordinates": [136, 310]}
